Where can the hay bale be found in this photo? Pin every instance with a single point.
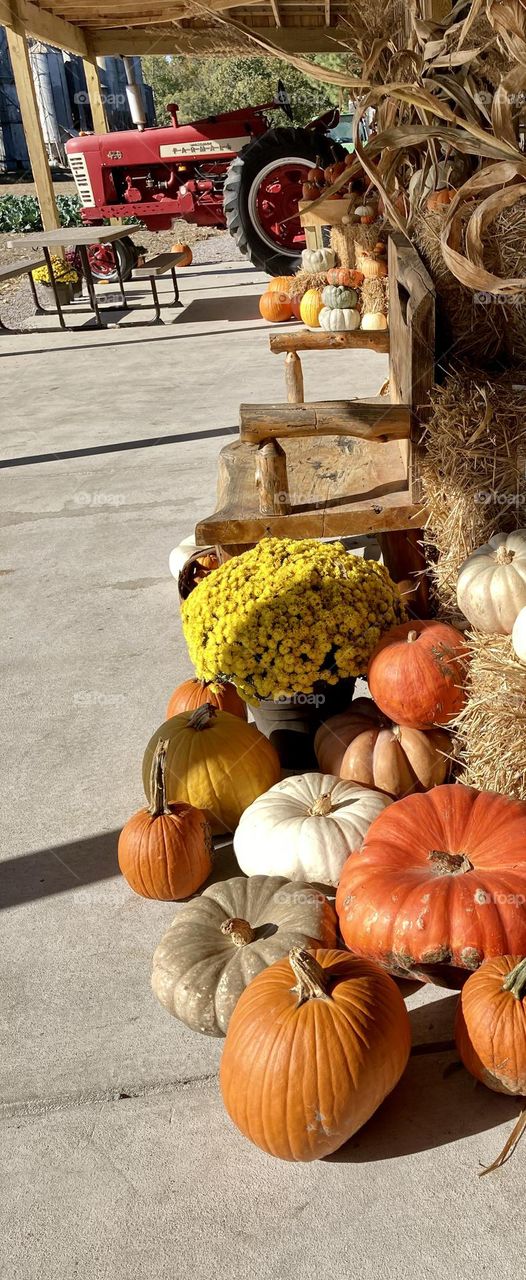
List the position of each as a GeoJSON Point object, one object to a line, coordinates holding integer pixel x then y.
{"type": "Point", "coordinates": [473, 472]}
{"type": "Point", "coordinates": [470, 325]}
{"type": "Point", "coordinates": [373, 296]}
{"type": "Point", "coordinates": [304, 280]}
{"type": "Point", "coordinates": [490, 732]}
{"type": "Point", "coordinates": [348, 238]}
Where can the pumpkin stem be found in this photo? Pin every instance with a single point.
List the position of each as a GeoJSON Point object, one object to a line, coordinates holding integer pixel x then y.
{"type": "Point", "coordinates": [158, 803]}
{"type": "Point", "coordinates": [449, 864]}
{"type": "Point", "coordinates": [240, 931]}
{"type": "Point", "coordinates": [311, 978]}
{"type": "Point", "coordinates": [504, 555]}
{"type": "Point", "coordinates": [321, 807]}
{"type": "Point", "coordinates": [412, 636]}
{"type": "Point", "coordinates": [202, 717]}
{"type": "Point", "coordinates": [516, 980]}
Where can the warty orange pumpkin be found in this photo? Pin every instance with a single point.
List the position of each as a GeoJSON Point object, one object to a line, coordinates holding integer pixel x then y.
{"type": "Point", "coordinates": [164, 851]}
{"type": "Point", "coordinates": [416, 673]}
{"type": "Point", "coordinates": [366, 747]}
{"type": "Point", "coordinates": [194, 693]}
{"type": "Point", "coordinates": [439, 884]}
{"type": "Point", "coordinates": [314, 1045]}
{"type": "Point", "coordinates": [214, 761]}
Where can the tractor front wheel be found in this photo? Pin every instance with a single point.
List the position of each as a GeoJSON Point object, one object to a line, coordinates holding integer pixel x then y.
{"type": "Point", "coordinates": [261, 193]}
{"type": "Point", "coordinates": [102, 259]}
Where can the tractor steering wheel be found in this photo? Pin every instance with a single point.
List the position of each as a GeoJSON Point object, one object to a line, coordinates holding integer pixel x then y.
{"type": "Point", "coordinates": [282, 100]}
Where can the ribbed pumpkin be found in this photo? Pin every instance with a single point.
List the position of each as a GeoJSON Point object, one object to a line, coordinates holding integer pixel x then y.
{"type": "Point", "coordinates": [373, 268]}
{"type": "Point", "coordinates": [186, 250]}
{"type": "Point", "coordinates": [337, 295]}
{"type": "Point", "coordinates": [280, 284]}
{"type": "Point", "coordinates": [346, 276]}
{"type": "Point", "coordinates": [373, 320]}
{"type": "Point", "coordinates": [226, 936]}
{"type": "Point", "coordinates": [339, 319]}
{"type": "Point", "coordinates": [164, 851]}
{"type": "Point", "coordinates": [275, 307]}
{"type": "Point", "coordinates": [491, 586]}
{"type": "Point", "coordinates": [416, 673]}
{"type": "Point", "coordinates": [310, 307]}
{"type": "Point", "coordinates": [490, 1028]}
{"type": "Point", "coordinates": [193, 693]}
{"type": "Point", "coordinates": [314, 1045]}
{"type": "Point", "coordinates": [439, 884]}
{"type": "Point", "coordinates": [364, 746]}
{"type": "Point", "coordinates": [214, 761]}
{"type": "Point", "coordinates": [314, 260]}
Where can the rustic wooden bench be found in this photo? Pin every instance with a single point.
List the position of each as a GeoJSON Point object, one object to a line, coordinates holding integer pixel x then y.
{"type": "Point", "coordinates": [152, 270]}
{"type": "Point", "coordinates": [350, 466]}
{"type": "Point", "coordinates": [11, 271]}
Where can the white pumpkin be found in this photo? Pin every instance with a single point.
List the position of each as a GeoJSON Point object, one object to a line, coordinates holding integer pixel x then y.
{"type": "Point", "coordinates": [518, 636]}
{"type": "Point", "coordinates": [339, 319]}
{"type": "Point", "coordinates": [374, 320]}
{"type": "Point", "coordinates": [491, 586]}
{"type": "Point", "coordinates": [314, 260]}
{"type": "Point", "coordinates": [305, 827]}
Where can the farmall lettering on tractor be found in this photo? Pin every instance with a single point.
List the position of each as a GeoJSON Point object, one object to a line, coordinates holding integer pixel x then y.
{"type": "Point", "coordinates": [231, 170]}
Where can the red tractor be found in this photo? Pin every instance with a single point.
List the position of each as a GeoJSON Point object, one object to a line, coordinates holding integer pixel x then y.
{"type": "Point", "coordinates": [230, 170]}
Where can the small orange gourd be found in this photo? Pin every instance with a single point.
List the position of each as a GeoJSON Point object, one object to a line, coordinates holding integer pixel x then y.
{"type": "Point", "coordinates": [186, 250]}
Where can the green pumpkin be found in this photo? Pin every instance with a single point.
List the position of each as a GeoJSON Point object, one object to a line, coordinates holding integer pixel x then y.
{"type": "Point", "coordinates": [336, 295]}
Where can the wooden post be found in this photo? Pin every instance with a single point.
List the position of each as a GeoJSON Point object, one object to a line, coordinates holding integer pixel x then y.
{"type": "Point", "coordinates": [91, 71]}
{"type": "Point", "coordinates": [271, 479]}
{"type": "Point", "coordinates": [294, 378]}
{"type": "Point", "coordinates": [19, 53]}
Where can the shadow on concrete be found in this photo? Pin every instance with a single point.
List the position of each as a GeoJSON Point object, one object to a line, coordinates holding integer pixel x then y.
{"type": "Point", "coordinates": [122, 447]}
{"type": "Point", "coordinates": [58, 869]}
{"type": "Point", "coordinates": [204, 310]}
{"type": "Point", "coordinates": [166, 331]}
{"type": "Point", "coordinates": [436, 1101]}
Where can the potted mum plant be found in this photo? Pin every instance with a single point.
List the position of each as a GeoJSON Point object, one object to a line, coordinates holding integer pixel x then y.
{"type": "Point", "coordinates": [291, 624]}
{"type": "Point", "coordinates": [67, 278]}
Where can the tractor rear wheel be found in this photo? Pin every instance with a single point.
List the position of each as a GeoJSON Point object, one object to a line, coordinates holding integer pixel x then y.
{"type": "Point", "coordinates": [261, 193]}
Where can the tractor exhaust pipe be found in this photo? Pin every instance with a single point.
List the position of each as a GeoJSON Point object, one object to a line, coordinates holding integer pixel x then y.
{"type": "Point", "coordinates": [134, 95]}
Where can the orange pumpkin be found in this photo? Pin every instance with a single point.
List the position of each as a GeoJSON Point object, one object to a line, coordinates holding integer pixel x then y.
{"type": "Point", "coordinates": [490, 1028]}
{"type": "Point", "coordinates": [280, 284]}
{"type": "Point", "coordinates": [314, 1045]}
{"type": "Point", "coordinates": [371, 267]}
{"type": "Point", "coordinates": [317, 173]}
{"type": "Point", "coordinates": [439, 884]}
{"type": "Point", "coordinates": [186, 250]}
{"type": "Point", "coordinates": [164, 851]}
{"type": "Point", "coordinates": [362, 745]}
{"type": "Point", "coordinates": [275, 307]}
{"type": "Point", "coordinates": [416, 673]}
{"type": "Point", "coordinates": [438, 199]}
{"type": "Point", "coordinates": [334, 171]}
{"type": "Point", "coordinates": [346, 276]}
{"type": "Point", "coordinates": [295, 305]}
{"type": "Point", "coordinates": [311, 190]}
{"type": "Point", "coordinates": [193, 693]}
{"type": "Point", "coordinates": [310, 306]}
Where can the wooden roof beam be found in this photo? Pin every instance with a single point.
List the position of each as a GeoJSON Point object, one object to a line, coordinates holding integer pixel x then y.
{"type": "Point", "coordinates": [25, 18]}
{"type": "Point", "coordinates": [148, 40]}
{"type": "Point", "coordinates": [275, 12]}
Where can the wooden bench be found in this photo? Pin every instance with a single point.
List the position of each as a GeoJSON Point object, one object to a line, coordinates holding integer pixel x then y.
{"type": "Point", "coordinates": [152, 270]}
{"type": "Point", "coordinates": [11, 271]}
{"type": "Point", "coordinates": [350, 466]}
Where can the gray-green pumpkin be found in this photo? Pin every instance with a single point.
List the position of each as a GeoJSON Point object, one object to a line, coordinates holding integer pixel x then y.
{"type": "Point", "coordinates": [221, 940]}
{"type": "Point", "coordinates": [337, 295]}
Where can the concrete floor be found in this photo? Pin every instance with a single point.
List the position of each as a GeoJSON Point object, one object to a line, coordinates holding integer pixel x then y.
{"type": "Point", "coordinates": [118, 1159]}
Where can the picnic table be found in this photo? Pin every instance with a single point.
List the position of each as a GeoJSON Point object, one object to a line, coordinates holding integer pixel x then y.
{"type": "Point", "coordinates": [75, 238]}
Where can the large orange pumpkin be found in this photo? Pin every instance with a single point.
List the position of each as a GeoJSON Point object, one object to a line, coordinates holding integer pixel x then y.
{"type": "Point", "coordinates": [362, 745]}
{"type": "Point", "coordinates": [193, 693]}
{"type": "Point", "coordinates": [164, 851]}
{"type": "Point", "coordinates": [416, 673]}
{"type": "Point", "coordinates": [439, 884]}
{"type": "Point", "coordinates": [490, 1028]}
{"type": "Point", "coordinates": [185, 249]}
{"type": "Point", "coordinates": [280, 284]}
{"type": "Point", "coordinates": [314, 1045]}
{"type": "Point", "coordinates": [275, 307]}
{"type": "Point", "coordinates": [214, 761]}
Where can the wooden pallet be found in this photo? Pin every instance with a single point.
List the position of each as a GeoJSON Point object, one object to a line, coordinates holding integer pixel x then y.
{"type": "Point", "coordinates": [346, 467]}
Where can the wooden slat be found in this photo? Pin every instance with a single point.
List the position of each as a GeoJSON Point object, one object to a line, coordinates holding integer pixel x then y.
{"type": "Point", "coordinates": [98, 113]}
{"type": "Point", "coordinates": [328, 213]}
{"type": "Point", "coordinates": [23, 75]}
{"type": "Point", "coordinates": [23, 17]}
{"type": "Point", "coordinates": [316, 340]}
{"type": "Point", "coordinates": [374, 419]}
{"type": "Point", "coordinates": [20, 268]}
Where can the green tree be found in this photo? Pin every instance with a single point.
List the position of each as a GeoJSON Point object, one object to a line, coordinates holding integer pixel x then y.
{"type": "Point", "coordinates": [202, 86]}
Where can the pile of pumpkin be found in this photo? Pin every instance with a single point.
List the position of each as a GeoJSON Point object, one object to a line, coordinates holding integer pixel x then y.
{"type": "Point", "coordinates": [430, 878]}
{"type": "Point", "coordinates": [348, 298]}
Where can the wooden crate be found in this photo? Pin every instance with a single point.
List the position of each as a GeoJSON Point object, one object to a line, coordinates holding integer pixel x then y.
{"type": "Point", "coordinates": [328, 213]}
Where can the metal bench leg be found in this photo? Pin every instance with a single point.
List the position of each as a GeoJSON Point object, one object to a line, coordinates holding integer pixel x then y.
{"type": "Point", "coordinates": [49, 265]}
{"type": "Point", "coordinates": [124, 300]}
{"type": "Point", "coordinates": [156, 303]}
{"type": "Point", "coordinates": [177, 301]}
{"type": "Point", "coordinates": [90, 285]}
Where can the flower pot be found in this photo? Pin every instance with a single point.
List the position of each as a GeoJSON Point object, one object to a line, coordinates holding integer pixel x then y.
{"type": "Point", "coordinates": [290, 724]}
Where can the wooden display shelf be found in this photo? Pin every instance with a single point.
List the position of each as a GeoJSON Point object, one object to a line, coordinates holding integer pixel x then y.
{"type": "Point", "coordinates": [328, 213]}
{"type": "Point", "coordinates": [346, 467]}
